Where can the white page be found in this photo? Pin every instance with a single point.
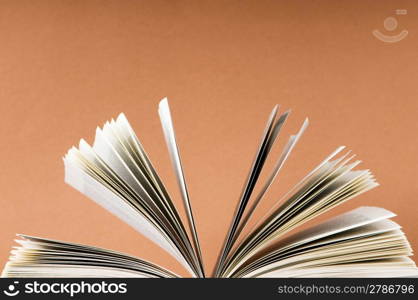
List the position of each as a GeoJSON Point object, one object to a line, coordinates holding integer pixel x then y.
{"type": "Point", "coordinates": [170, 137]}
{"type": "Point", "coordinates": [108, 148]}
{"type": "Point", "coordinates": [355, 218]}
{"type": "Point", "coordinates": [279, 164]}
{"type": "Point", "coordinates": [35, 252]}
{"type": "Point", "coordinates": [270, 133]}
{"type": "Point", "coordinates": [96, 191]}
{"type": "Point", "coordinates": [383, 245]}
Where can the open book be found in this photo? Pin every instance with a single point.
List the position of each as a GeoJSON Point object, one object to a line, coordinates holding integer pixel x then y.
{"type": "Point", "coordinates": [117, 173]}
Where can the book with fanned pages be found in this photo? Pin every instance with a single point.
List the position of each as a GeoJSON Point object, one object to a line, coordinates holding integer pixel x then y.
{"type": "Point", "coordinates": [116, 173]}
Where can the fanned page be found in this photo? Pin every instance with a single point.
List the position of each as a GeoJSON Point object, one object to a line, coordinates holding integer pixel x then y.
{"type": "Point", "coordinates": [170, 137]}
{"type": "Point", "coordinates": [37, 257]}
{"type": "Point", "coordinates": [116, 173]}
{"type": "Point", "coordinates": [328, 185]}
{"type": "Point", "coordinates": [269, 136]}
{"type": "Point", "coordinates": [331, 183]}
{"type": "Point", "coordinates": [360, 243]}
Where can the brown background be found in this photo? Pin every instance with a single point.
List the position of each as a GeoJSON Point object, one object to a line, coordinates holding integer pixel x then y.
{"type": "Point", "coordinates": [68, 66]}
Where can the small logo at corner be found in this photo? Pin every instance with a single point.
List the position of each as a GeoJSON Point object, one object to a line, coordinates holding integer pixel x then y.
{"type": "Point", "coordinates": [12, 290]}
{"type": "Point", "coordinates": [390, 24]}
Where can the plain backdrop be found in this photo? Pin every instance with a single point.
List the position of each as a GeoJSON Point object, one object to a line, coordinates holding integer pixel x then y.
{"type": "Point", "coordinates": [68, 66]}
